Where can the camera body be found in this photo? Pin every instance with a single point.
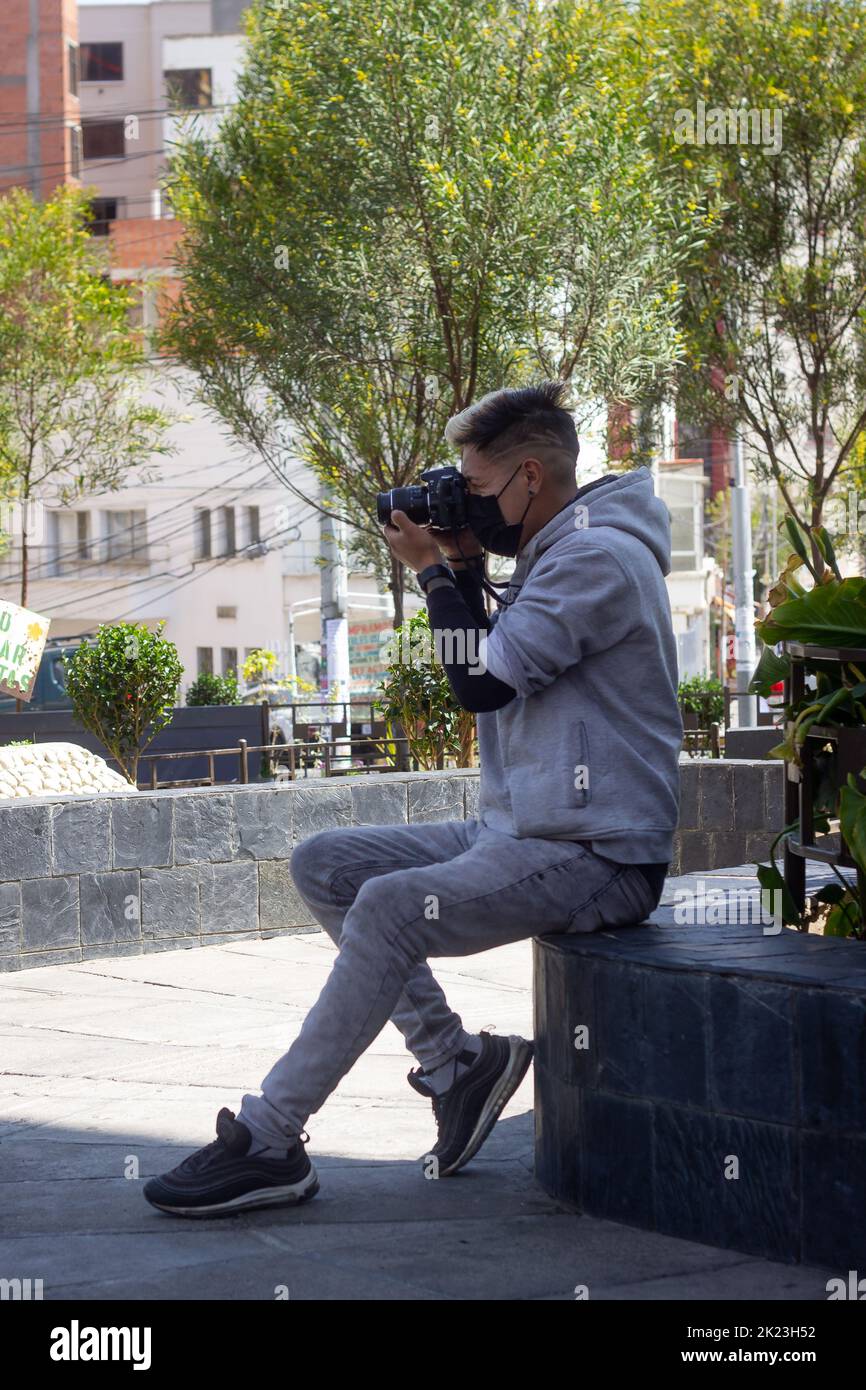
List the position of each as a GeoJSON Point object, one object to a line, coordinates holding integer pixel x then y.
{"type": "Point", "coordinates": [441, 504]}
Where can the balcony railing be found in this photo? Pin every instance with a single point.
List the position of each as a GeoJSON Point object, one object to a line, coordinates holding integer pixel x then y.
{"type": "Point", "coordinates": [64, 562]}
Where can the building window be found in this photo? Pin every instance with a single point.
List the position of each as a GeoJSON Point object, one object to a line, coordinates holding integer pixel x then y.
{"type": "Point", "coordinates": [204, 660]}
{"type": "Point", "coordinates": [227, 531]}
{"type": "Point", "coordinates": [102, 62]}
{"type": "Point", "coordinates": [187, 88]}
{"type": "Point", "coordinates": [229, 660]}
{"type": "Point", "coordinates": [252, 526]}
{"type": "Point", "coordinates": [203, 539]}
{"type": "Point", "coordinates": [75, 154]}
{"type": "Point", "coordinates": [682, 489]}
{"type": "Point", "coordinates": [68, 541]}
{"type": "Point", "coordinates": [103, 140]}
{"type": "Point", "coordinates": [103, 211]}
{"type": "Point", "coordinates": [126, 536]}
{"type": "Point", "coordinates": [72, 67]}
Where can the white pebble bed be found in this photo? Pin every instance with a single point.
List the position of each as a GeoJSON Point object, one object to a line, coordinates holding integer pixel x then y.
{"type": "Point", "coordinates": [56, 769]}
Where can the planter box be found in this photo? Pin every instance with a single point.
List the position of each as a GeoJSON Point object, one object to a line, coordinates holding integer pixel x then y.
{"type": "Point", "coordinates": [719, 1090]}
{"type": "Point", "coordinates": [849, 757]}
{"type": "Point", "coordinates": [192, 727]}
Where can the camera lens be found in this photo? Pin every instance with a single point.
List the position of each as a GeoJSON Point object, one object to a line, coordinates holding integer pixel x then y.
{"type": "Point", "coordinates": [414, 501]}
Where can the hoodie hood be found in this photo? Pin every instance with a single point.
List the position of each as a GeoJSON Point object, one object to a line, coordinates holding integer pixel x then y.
{"type": "Point", "coordinates": [619, 501]}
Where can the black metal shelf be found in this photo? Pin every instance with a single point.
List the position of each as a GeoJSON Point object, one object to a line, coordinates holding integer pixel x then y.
{"type": "Point", "coordinates": [851, 755]}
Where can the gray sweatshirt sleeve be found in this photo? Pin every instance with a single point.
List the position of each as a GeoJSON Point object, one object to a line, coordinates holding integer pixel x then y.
{"type": "Point", "coordinates": [574, 602]}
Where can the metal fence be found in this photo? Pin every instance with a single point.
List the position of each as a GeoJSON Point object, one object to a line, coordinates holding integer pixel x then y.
{"type": "Point", "coordinates": [288, 761]}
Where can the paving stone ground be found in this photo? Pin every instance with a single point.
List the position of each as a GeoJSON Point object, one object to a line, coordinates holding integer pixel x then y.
{"type": "Point", "coordinates": [126, 1061]}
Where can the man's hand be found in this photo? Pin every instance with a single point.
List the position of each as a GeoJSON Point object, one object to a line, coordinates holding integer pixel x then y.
{"type": "Point", "coordinates": [410, 543]}
{"type": "Point", "coordinates": [452, 543]}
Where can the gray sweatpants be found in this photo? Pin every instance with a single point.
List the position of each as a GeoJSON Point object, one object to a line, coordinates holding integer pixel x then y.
{"type": "Point", "coordinates": [391, 897]}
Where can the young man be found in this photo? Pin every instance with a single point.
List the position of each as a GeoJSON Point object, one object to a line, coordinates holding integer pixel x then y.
{"type": "Point", "coordinates": [575, 684]}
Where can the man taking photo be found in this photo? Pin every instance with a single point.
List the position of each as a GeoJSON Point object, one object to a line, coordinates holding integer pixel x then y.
{"type": "Point", "coordinates": [574, 682]}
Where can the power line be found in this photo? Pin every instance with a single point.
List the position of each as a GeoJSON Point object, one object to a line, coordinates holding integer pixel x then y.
{"type": "Point", "coordinates": [63, 122]}
{"type": "Point", "coordinates": [92, 164]}
{"type": "Point", "coordinates": [73, 549]}
{"type": "Point", "coordinates": [156, 539]}
{"type": "Point", "coordinates": [58, 602]}
{"type": "Point", "coordinates": [158, 598]}
{"type": "Point", "coordinates": [79, 600]}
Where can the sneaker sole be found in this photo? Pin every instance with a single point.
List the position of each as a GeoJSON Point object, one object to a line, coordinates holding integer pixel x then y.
{"type": "Point", "coordinates": [291, 1195]}
{"type": "Point", "coordinates": [518, 1064]}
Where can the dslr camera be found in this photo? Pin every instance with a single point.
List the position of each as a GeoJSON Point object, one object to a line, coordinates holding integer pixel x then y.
{"type": "Point", "coordinates": [440, 504]}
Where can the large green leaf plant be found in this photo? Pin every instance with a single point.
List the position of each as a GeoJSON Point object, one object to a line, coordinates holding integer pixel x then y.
{"type": "Point", "coordinates": [830, 613]}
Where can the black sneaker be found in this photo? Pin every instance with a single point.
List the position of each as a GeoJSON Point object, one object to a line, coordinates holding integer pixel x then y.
{"type": "Point", "coordinates": [468, 1110]}
{"type": "Point", "coordinates": [218, 1180]}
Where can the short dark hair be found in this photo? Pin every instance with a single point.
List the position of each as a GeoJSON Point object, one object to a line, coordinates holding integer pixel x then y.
{"type": "Point", "coordinates": [517, 415]}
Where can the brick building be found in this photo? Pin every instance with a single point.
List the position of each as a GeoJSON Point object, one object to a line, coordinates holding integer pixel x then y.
{"type": "Point", "coordinates": [40, 125]}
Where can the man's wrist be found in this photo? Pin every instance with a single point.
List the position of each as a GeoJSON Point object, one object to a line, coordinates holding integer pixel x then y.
{"type": "Point", "coordinates": [462, 561]}
{"type": "Point", "coordinates": [435, 571]}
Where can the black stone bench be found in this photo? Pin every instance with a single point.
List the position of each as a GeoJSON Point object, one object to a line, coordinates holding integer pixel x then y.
{"type": "Point", "coordinates": [670, 1057]}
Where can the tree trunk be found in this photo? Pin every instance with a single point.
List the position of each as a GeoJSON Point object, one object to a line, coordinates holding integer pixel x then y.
{"type": "Point", "coordinates": [467, 739]}
{"type": "Point", "coordinates": [25, 556]}
{"type": "Point", "coordinates": [25, 561]}
{"type": "Point", "coordinates": [398, 589]}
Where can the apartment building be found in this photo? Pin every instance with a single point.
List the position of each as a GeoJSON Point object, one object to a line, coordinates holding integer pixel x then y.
{"type": "Point", "coordinates": [207, 541]}
{"type": "Point", "coordinates": [40, 130]}
{"type": "Point", "coordinates": [213, 545]}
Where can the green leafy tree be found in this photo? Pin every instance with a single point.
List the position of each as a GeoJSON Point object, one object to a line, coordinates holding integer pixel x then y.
{"type": "Point", "coordinates": [71, 418]}
{"type": "Point", "coordinates": [123, 689]}
{"type": "Point", "coordinates": [775, 304]}
{"type": "Point", "coordinates": [413, 202]}
{"type": "Point", "coordinates": [416, 696]}
{"type": "Point", "coordinates": [259, 665]}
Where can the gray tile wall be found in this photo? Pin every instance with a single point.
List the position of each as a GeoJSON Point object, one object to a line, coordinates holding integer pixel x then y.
{"type": "Point", "coordinates": [120, 874]}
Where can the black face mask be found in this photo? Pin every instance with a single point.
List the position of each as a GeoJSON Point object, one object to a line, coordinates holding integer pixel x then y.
{"type": "Point", "coordinates": [488, 525]}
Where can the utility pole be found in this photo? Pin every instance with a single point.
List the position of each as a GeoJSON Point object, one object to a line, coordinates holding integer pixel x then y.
{"type": "Point", "coordinates": [744, 603]}
{"type": "Point", "coordinates": [335, 623]}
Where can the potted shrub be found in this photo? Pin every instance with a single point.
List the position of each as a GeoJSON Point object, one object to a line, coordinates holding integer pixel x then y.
{"type": "Point", "coordinates": [123, 688]}
{"type": "Point", "coordinates": [702, 707]}
{"type": "Point", "coordinates": [208, 689]}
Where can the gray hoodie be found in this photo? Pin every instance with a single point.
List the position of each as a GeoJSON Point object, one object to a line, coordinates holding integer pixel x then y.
{"type": "Point", "coordinates": [590, 748]}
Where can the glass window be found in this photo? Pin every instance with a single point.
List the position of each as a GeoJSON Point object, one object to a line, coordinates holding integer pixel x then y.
{"type": "Point", "coordinates": [75, 154]}
{"type": "Point", "coordinates": [252, 526]}
{"type": "Point", "coordinates": [68, 541]}
{"type": "Point", "coordinates": [83, 534]}
{"type": "Point", "coordinates": [72, 67]}
{"type": "Point", "coordinates": [681, 489]}
{"type": "Point", "coordinates": [186, 88]}
{"type": "Point", "coordinates": [103, 139]}
{"type": "Point", "coordinates": [229, 658]}
{"type": "Point", "coordinates": [103, 211]}
{"type": "Point", "coordinates": [102, 62]}
{"type": "Point", "coordinates": [204, 659]}
{"type": "Point", "coordinates": [227, 530]}
{"type": "Point", "coordinates": [126, 536]}
{"type": "Point", "coordinates": [202, 534]}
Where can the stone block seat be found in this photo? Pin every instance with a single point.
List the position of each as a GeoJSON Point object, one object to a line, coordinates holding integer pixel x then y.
{"type": "Point", "coordinates": [708, 1081]}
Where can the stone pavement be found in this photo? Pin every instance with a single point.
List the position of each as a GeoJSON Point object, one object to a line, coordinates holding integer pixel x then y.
{"type": "Point", "coordinates": [127, 1060]}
